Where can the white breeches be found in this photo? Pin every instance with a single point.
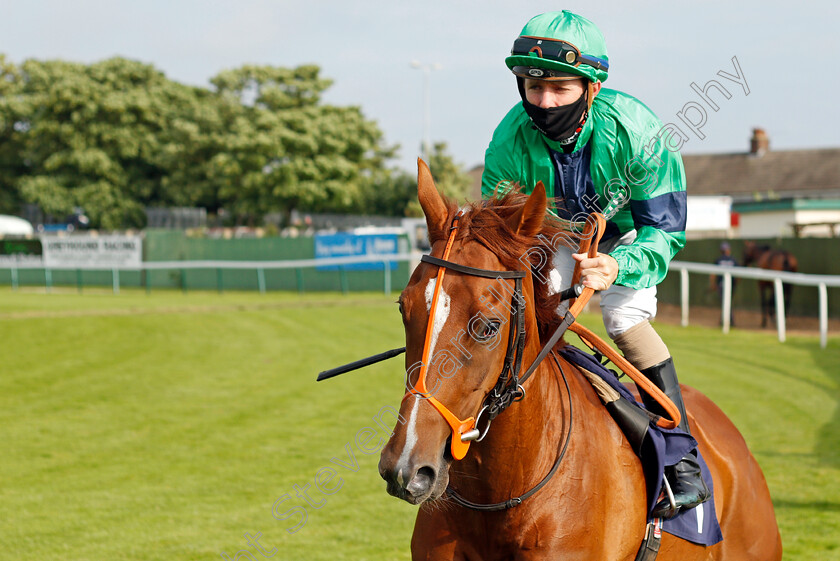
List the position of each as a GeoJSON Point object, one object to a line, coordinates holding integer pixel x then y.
{"type": "Point", "coordinates": [621, 307]}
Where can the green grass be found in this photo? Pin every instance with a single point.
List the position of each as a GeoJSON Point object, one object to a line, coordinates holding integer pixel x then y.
{"type": "Point", "coordinates": [166, 426]}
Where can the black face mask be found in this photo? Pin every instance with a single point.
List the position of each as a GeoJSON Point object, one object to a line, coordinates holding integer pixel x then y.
{"type": "Point", "coordinates": [556, 123]}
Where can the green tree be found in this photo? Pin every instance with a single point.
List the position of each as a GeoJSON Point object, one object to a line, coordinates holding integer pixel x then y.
{"type": "Point", "coordinates": [10, 81]}
{"type": "Point", "coordinates": [450, 179]}
{"type": "Point", "coordinates": [117, 136]}
{"type": "Point", "coordinates": [394, 193]}
{"type": "Point", "coordinates": [389, 194]}
{"type": "Point", "coordinates": [110, 137]}
{"type": "Point", "coordinates": [289, 151]}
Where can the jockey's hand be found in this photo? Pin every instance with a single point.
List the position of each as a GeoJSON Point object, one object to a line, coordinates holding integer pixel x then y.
{"type": "Point", "coordinates": [597, 272]}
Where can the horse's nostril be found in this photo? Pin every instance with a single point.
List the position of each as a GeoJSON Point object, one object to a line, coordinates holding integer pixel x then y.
{"type": "Point", "coordinates": [426, 471]}
{"type": "Point", "coordinates": [422, 481]}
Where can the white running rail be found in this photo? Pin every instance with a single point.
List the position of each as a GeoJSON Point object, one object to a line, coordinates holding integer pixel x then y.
{"type": "Point", "coordinates": [822, 282]}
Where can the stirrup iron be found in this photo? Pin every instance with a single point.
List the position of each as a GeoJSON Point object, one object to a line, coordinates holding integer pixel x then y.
{"type": "Point", "coordinates": [673, 511]}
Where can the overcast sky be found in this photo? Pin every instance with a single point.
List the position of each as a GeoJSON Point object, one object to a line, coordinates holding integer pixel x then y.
{"type": "Point", "coordinates": [788, 54]}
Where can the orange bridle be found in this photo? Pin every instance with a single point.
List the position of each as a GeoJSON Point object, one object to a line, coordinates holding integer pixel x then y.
{"type": "Point", "coordinates": [459, 428]}
{"type": "Point", "coordinates": [508, 388]}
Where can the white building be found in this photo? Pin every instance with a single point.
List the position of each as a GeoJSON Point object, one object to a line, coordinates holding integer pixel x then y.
{"type": "Point", "coordinates": [788, 218]}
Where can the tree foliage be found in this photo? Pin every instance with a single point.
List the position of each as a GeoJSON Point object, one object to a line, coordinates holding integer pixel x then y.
{"type": "Point", "coordinates": [117, 136]}
{"type": "Point", "coordinates": [394, 193]}
{"type": "Point", "coordinates": [301, 154]}
{"type": "Point", "coordinates": [450, 179]}
{"type": "Point", "coordinates": [107, 137]}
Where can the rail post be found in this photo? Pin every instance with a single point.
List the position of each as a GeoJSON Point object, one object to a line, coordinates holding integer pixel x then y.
{"type": "Point", "coordinates": [261, 279]}
{"type": "Point", "coordinates": [299, 279]}
{"type": "Point", "coordinates": [342, 277]}
{"type": "Point", "coordinates": [823, 315]}
{"type": "Point", "coordinates": [780, 308]}
{"type": "Point", "coordinates": [115, 277]}
{"type": "Point", "coordinates": [726, 310]}
{"type": "Point", "coordinates": [684, 297]}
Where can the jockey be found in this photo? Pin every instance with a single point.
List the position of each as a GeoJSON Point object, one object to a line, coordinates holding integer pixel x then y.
{"type": "Point", "coordinates": [600, 150]}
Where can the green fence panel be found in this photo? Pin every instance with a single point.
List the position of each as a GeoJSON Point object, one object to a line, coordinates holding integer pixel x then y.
{"type": "Point", "coordinates": [166, 245]}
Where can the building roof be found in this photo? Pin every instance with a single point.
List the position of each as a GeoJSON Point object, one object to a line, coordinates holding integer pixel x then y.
{"type": "Point", "coordinates": [773, 174]}
{"type": "Point", "coordinates": [786, 204]}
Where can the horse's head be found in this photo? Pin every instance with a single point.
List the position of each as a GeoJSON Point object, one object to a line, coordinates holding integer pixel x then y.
{"type": "Point", "coordinates": [750, 250]}
{"type": "Point", "coordinates": [459, 329]}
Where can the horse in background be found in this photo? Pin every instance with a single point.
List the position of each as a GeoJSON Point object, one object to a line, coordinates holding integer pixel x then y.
{"type": "Point", "coordinates": [766, 257]}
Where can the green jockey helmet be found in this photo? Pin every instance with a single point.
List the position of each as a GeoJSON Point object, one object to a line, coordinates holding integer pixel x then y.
{"type": "Point", "coordinates": [559, 46]}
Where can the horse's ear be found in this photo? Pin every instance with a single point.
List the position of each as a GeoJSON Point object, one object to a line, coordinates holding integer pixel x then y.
{"type": "Point", "coordinates": [430, 200]}
{"type": "Point", "coordinates": [528, 220]}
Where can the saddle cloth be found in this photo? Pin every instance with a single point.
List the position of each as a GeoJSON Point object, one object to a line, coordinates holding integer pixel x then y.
{"type": "Point", "coordinates": [698, 525]}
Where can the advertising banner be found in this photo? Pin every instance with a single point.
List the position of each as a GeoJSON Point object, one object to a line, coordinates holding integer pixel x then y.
{"type": "Point", "coordinates": [92, 251]}
{"type": "Point", "coordinates": [348, 245]}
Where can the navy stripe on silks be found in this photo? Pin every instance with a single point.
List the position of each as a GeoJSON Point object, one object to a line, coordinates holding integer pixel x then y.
{"type": "Point", "coordinates": [573, 182]}
{"type": "Point", "coordinates": [574, 188]}
{"type": "Point", "coordinates": [666, 212]}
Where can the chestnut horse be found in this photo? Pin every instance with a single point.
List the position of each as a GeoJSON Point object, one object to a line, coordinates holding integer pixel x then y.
{"type": "Point", "coordinates": [766, 257]}
{"type": "Point", "coordinates": [594, 507]}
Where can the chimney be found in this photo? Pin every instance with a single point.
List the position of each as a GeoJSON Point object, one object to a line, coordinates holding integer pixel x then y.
{"type": "Point", "coordinates": [759, 143]}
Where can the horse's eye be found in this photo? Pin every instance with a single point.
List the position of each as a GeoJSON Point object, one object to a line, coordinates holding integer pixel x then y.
{"type": "Point", "coordinates": [490, 330]}
{"type": "Point", "coordinates": [399, 303]}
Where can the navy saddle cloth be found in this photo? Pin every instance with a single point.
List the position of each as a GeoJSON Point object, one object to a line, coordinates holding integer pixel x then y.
{"type": "Point", "coordinates": [698, 525]}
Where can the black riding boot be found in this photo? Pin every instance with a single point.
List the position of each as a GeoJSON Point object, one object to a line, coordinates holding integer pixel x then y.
{"type": "Point", "coordinates": [686, 483]}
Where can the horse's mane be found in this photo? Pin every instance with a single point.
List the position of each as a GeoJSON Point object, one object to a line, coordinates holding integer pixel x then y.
{"type": "Point", "coordinates": [485, 222]}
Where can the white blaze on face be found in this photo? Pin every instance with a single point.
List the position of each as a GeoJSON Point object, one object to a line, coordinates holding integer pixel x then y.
{"type": "Point", "coordinates": [410, 441]}
{"type": "Point", "coordinates": [441, 315]}
{"type": "Point", "coordinates": [441, 312]}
